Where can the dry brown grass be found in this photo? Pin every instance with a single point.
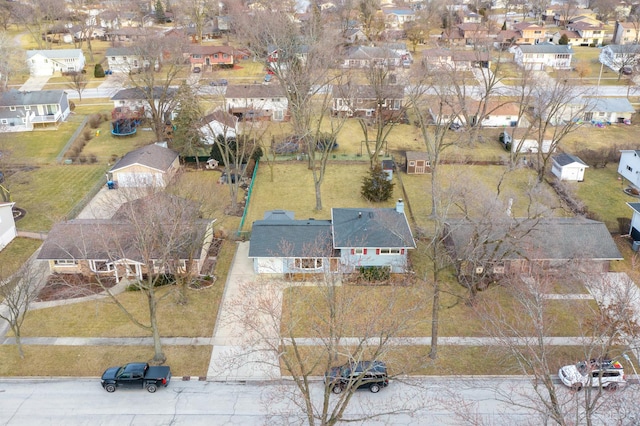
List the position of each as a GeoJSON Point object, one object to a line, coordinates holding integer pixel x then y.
{"type": "Point", "coordinates": [91, 361]}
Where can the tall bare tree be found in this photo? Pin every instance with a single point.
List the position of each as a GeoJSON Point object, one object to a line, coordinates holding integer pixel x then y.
{"type": "Point", "coordinates": [18, 291]}
{"type": "Point", "coordinates": [37, 16]}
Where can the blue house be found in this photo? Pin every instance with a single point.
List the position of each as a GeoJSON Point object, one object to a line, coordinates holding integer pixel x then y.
{"type": "Point", "coordinates": [353, 238]}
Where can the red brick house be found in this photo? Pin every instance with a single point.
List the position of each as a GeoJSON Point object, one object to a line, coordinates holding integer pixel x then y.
{"type": "Point", "coordinates": [208, 57]}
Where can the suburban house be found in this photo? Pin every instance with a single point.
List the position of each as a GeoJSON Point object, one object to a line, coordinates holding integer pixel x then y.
{"type": "Point", "coordinates": [22, 111]}
{"type": "Point", "coordinates": [573, 38]}
{"type": "Point", "coordinates": [417, 163]}
{"type": "Point", "coordinates": [219, 123]}
{"type": "Point", "coordinates": [257, 102]}
{"type": "Point", "coordinates": [491, 247]}
{"type": "Point", "coordinates": [136, 99]}
{"type": "Point", "coordinates": [496, 114]}
{"type": "Point", "coordinates": [629, 167]}
{"type": "Point", "coordinates": [461, 60]}
{"type": "Point", "coordinates": [608, 110]}
{"type": "Point", "coordinates": [8, 230]}
{"type": "Point", "coordinates": [568, 167]}
{"type": "Point", "coordinates": [108, 248]}
{"type": "Point", "coordinates": [525, 141]}
{"type": "Point", "coordinates": [355, 36]}
{"type": "Point", "coordinates": [529, 33]}
{"type": "Point", "coordinates": [207, 58]}
{"type": "Point", "coordinates": [617, 56]}
{"type": "Point", "coordinates": [152, 165]}
{"type": "Point", "coordinates": [44, 63]}
{"type": "Point", "coordinates": [539, 56]}
{"type": "Point", "coordinates": [365, 101]}
{"type": "Point", "coordinates": [591, 33]}
{"type": "Point", "coordinates": [395, 17]}
{"type": "Point", "coordinates": [366, 57]}
{"type": "Point", "coordinates": [465, 35]}
{"type": "Point", "coordinates": [353, 239]}
{"type": "Point", "coordinates": [626, 33]}
{"type": "Point", "coordinates": [124, 59]}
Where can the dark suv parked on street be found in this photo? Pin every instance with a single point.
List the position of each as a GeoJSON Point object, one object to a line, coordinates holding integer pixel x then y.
{"type": "Point", "coordinates": [363, 374]}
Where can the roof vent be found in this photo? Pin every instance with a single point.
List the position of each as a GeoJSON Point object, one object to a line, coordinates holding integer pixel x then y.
{"type": "Point", "coordinates": [359, 215]}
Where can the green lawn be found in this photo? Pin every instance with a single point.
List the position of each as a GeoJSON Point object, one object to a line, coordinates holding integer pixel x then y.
{"type": "Point", "coordinates": [48, 193]}
{"type": "Point", "coordinates": [602, 192]}
{"type": "Point", "coordinates": [38, 146]}
{"type": "Point", "coordinates": [16, 253]}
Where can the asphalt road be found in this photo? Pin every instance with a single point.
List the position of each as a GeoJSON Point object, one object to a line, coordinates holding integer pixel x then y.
{"type": "Point", "coordinates": [427, 401]}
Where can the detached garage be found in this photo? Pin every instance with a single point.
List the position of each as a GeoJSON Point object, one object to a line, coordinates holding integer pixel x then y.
{"type": "Point", "coordinates": [568, 167]}
{"type": "Point", "coordinates": [151, 165]}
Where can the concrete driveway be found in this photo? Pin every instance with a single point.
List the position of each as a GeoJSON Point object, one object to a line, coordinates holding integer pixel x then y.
{"type": "Point", "coordinates": [107, 201]}
{"type": "Point", "coordinates": [34, 84]}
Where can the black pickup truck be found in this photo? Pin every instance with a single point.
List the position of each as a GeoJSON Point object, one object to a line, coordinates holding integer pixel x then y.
{"type": "Point", "coordinates": [136, 375]}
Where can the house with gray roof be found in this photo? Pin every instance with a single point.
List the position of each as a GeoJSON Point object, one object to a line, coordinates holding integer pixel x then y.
{"type": "Point", "coordinates": [125, 60]}
{"type": "Point", "coordinates": [539, 56]}
{"type": "Point", "coordinates": [257, 102]}
{"type": "Point", "coordinates": [491, 248]}
{"type": "Point", "coordinates": [110, 248]}
{"type": "Point", "coordinates": [568, 167]}
{"type": "Point", "coordinates": [150, 166]}
{"type": "Point", "coordinates": [617, 56]}
{"type": "Point", "coordinates": [363, 100]}
{"type": "Point", "coordinates": [366, 57]}
{"type": "Point", "coordinates": [353, 238]}
{"type": "Point", "coordinates": [608, 110]}
{"type": "Point", "coordinates": [137, 99]}
{"type": "Point", "coordinates": [634, 229]}
{"type": "Point", "coordinates": [44, 63]}
{"type": "Point", "coordinates": [22, 111]}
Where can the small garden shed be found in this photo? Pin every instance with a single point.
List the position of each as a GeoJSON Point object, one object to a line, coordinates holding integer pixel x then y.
{"type": "Point", "coordinates": [568, 167]}
{"type": "Point", "coordinates": [417, 163]}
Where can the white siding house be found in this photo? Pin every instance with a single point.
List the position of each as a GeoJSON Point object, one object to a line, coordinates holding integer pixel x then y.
{"type": "Point", "coordinates": [538, 56]}
{"type": "Point", "coordinates": [629, 166]}
{"type": "Point", "coordinates": [44, 63]}
{"type": "Point", "coordinates": [257, 102]}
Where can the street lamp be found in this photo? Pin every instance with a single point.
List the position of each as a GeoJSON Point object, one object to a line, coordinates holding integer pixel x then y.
{"type": "Point", "coordinates": [625, 356]}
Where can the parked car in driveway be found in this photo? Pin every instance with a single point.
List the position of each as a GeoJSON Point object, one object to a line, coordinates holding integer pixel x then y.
{"type": "Point", "coordinates": [221, 82]}
{"type": "Point", "coordinates": [594, 373]}
{"type": "Point", "coordinates": [138, 375]}
{"type": "Point", "coordinates": [268, 77]}
{"type": "Point", "coordinates": [505, 139]}
{"type": "Point", "coordinates": [363, 374]}
{"type": "Point", "coordinates": [197, 69]}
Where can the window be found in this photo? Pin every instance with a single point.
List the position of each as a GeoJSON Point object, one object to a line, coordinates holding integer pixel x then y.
{"type": "Point", "coordinates": [412, 163]}
{"type": "Point", "coordinates": [359, 251]}
{"type": "Point", "coordinates": [65, 262]}
{"type": "Point", "coordinates": [12, 108]}
{"type": "Point", "coordinates": [389, 251]}
{"type": "Point", "coordinates": [4, 121]}
{"type": "Point", "coordinates": [629, 168]}
{"type": "Point", "coordinates": [100, 266]}
{"type": "Point", "coordinates": [27, 107]}
{"type": "Point", "coordinates": [278, 114]}
{"type": "Point", "coordinates": [113, 58]}
{"type": "Point", "coordinates": [196, 56]}
{"type": "Point", "coordinates": [215, 56]}
{"type": "Point", "coordinates": [308, 263]}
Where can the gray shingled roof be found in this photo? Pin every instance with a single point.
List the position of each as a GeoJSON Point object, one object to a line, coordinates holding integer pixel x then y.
{"type": "Point", "coordinates": [119, 51]}
{"type": "Point", "coordinates": [565, 159]}
{"type": "Point", "coordinates": [417, 155]}
{"type": "Point", "coordinates": [369, 227]}
{"type": "Point", "coordinates": [252, 91]}
{"type": "Point", "coordinates": [107, 239]}
{"type": "Point", "coordinates": [56, 54]}
{"type": "Point", "coordinates": [618, 105]}
{"type": "Point", "coordinates": [153, 156]}
{"type": "Point", "coordinates": [635, 207]}
{"type": "Point", "coordinates": [42, 97]}
{"type": "Point", "coordinates": [139, 94]}
{"type": "Point", "coordinates": [367, 52]}
{"type": "Point", "coordinates": [291, 238]}
{"type": "Point", "coordinates": [546, 48]}
{"type": "Point", "coordinates": [545, 239]}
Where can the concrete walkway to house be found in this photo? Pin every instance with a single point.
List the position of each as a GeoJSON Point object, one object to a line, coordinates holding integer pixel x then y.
{"type": "Point", "coordinates": [240, 351]}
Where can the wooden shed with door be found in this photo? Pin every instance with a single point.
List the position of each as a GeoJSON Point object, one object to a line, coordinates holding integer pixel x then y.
{"type": "Point", "coordinates": [417, 163]}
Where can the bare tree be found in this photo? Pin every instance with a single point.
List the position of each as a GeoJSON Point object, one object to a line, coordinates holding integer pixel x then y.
{"type": "Point", "coordinates": [12, 59]}
{"type": "Point", "coordinates": [17, 292]}
{"type": "Point", "coordinates": [314, 331]}
{"type": "Point", "coordinates": [162, 60]}
{"type": "Point", "coordinates": [77, 82]}
{"type": "Point", "coordinates": [37, 16]}
{"type": "Point", "coordinates": [302, 60]}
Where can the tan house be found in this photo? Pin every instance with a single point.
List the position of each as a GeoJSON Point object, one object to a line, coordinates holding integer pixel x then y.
{"type": "Point", "coordinates": [149, 166]}
{"type": "Point", "coordinates": [626, 33]}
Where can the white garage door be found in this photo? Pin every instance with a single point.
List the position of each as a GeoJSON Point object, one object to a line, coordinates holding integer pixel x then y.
{"type": "Point", "coordinates": [132, 180]}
